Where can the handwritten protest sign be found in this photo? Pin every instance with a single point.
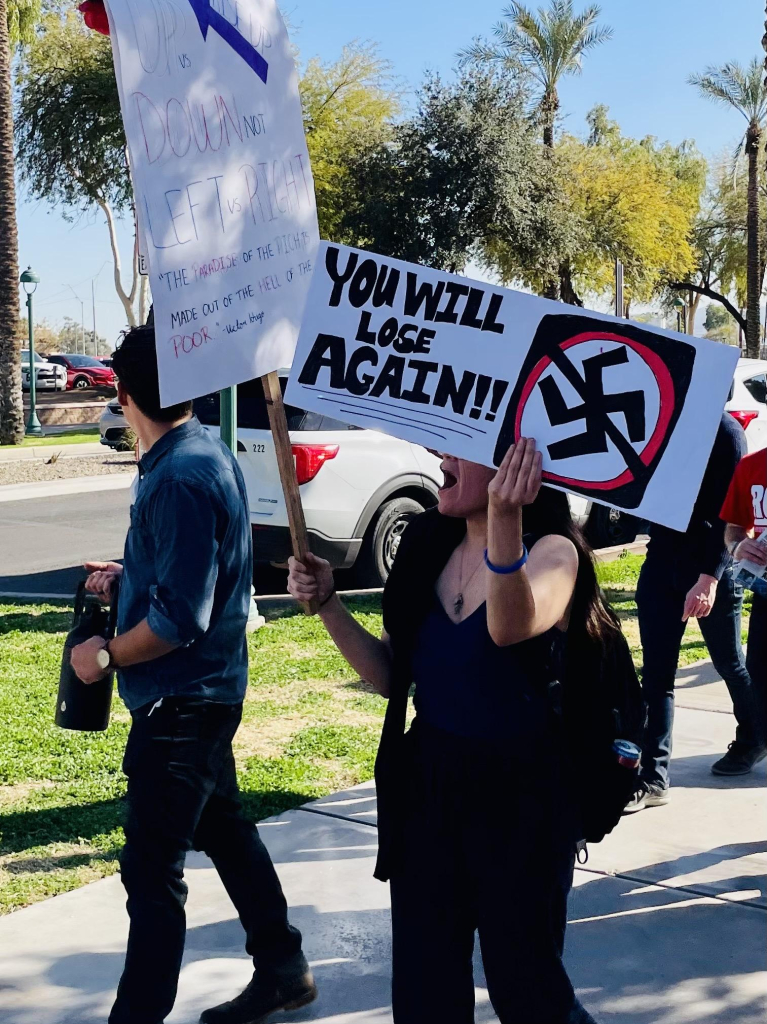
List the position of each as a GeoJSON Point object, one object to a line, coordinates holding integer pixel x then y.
{"type": "Point", "coordinates": [223, 187]}
{"type": "Point", "coordinates": [623, 414]}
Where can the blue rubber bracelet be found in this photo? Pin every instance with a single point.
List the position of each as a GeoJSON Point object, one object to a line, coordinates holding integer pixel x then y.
{"type": "Point", "coordinates": [507, 570]}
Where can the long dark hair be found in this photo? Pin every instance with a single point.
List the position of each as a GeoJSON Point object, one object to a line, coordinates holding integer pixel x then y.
{"type": "Point", "coordinates": [591, 618]}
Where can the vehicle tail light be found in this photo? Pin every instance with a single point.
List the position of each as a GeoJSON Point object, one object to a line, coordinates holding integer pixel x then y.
{"type": "Point", "coordinates": [310, 458]}
{"type": "Point", "coordinates": [744, 416]}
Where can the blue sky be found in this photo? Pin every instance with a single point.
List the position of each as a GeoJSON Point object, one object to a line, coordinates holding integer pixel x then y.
{"type": "Point", "coordinates": [640, 74]}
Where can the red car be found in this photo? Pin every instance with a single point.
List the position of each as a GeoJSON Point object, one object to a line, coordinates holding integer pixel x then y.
{"type": "Point", "coordinates": [84, 371]}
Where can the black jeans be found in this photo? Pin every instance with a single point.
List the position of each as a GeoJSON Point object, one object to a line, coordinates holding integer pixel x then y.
{"type": "Point", "coordinates": [661, 593]}
{"type": "Point", "coordinates": [182, 794]}
{"type": "Point", "coordinates": [487, 848]}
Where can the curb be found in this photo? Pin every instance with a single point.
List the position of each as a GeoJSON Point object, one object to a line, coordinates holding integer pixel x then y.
{"type": "Point", "coordinates": [638, 547]}
{"type": "Point", "coordinates": [46, 451]}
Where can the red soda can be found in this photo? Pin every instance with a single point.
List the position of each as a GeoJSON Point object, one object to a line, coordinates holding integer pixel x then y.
{"type": "Point", "coordinates": [628, 754]}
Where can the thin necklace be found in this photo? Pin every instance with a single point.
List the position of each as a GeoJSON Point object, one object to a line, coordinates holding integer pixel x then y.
{"type": "Point", "coordinates": [458, 601]}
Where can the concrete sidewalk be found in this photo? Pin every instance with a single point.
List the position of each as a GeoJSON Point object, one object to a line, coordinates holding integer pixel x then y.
{"type": "Point", "coordinates": [70, 485]}
{"type": "Point", "coordinates": [667, 919]}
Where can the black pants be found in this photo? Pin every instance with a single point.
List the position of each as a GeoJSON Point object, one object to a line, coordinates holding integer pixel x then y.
{"type": "Point", "coordinates": [487, 848]}
{"type": "Point", "coordinates": [182, 794]}
{"type": "Point", "coordinates": [661, 594]}
{"type": "Point", "coordinates": [756, 659]}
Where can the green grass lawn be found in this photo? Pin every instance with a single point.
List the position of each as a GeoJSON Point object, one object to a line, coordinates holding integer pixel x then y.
{"type": "Point", "coordinates": [70, 437]}
{"type": "Point", "coordinates": [309, 728]}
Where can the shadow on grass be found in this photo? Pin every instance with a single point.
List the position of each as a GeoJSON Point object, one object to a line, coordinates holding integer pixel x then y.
{"type": "Point", "coordinates": [45, 622]}
{"type": "Point", "coordinates": [26, 830]}
{"type": "Point", "coordinates": [59, 862]}
{"type": "Point", "coordinates": [365, 605]}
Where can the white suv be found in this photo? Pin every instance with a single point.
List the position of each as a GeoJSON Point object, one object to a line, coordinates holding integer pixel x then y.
{"type": "Point", "coordinates": [748, 401]}
{"type": "Point", "coordinates": [359, 488]}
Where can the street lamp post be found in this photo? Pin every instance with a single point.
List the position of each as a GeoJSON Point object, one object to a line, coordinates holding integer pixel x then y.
{"type": "Point", "coordinates": [30, 281]}
{"type": "Point", "coordinates": [681, 314]}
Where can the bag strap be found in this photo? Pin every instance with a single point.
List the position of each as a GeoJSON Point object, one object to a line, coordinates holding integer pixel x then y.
{"type": "Point", "coordinates": [112, 622]}
{"type": "Point", "coordinates": [79, 602]}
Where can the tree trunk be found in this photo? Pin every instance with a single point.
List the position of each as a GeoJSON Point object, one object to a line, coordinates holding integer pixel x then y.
{"type": "Point", "coordinates": [143, 299]}
{"type": "Point", "coordinates": [567, 291]}
{"type": "Point", "coordinates": [126, 298]}
{"type": "Point", "coordinates": [549, 108]}
{"type": "Point", "coordinates": [692, 311]}
{"type": "Point", "coordinates": [753, 289]}
{"type": "Point", "coordinates": [11, 405]}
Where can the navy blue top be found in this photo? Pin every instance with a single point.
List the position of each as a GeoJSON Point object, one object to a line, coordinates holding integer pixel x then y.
{"type": "Point", "coordinates": [467, 685]}
{"type": "Point", "coordinates": [188, 570]}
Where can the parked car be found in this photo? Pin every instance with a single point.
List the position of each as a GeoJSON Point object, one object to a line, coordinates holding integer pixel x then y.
{"type": "Point", "coordinates": [359, 488]}
{"type": "Point", "coordinates": [113, 428]}
{"type": "Point", "coordinates": [84, 371]}
{"type": "Point", "coordinates": [105, 360]}
{"type": "Point", "coordinates": [48, 376]}
{"type": "Point", "coordinates": [747, 401]}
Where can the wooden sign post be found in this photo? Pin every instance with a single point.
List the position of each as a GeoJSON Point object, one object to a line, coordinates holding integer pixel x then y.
{"type": "Point", "coordinates": [287, 468]}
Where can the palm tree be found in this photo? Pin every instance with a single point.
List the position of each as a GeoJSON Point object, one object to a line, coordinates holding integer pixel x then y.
{"type": "Point", "coordinates": [548, 44]}
{"type": "Point", "coordinates": [744, 90]}
{"type": "Point", "coordinates": [17, 22]}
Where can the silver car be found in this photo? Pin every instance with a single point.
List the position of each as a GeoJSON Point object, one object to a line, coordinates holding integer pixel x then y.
{"type": "Point", "coordinates": [113, 428]}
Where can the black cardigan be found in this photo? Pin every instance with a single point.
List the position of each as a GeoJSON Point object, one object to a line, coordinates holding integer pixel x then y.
{"type": "Point", "coordinates": [424, 550]}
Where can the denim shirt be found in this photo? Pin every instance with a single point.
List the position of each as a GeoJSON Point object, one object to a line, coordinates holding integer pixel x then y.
{"type": "Point", "coordinates": [188, 570]}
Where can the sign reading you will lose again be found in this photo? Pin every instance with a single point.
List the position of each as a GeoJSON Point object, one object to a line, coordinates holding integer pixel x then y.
{"type": "Point", "coordinates": [222, 182]}
{"type": "Point", "coordinates": [623, 414]}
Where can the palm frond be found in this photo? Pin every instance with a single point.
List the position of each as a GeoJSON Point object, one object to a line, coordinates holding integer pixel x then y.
{"type": "Point", "coordinates": [741, 88]}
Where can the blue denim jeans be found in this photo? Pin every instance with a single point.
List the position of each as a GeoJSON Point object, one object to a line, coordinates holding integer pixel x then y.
{"type": "Point", "coordinates": [660, 600]}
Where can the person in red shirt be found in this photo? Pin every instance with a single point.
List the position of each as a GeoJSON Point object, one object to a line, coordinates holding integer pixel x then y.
{"type": "Point", "coordinates": [745, 512]}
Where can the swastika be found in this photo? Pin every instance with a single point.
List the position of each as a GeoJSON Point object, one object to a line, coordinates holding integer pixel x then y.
{"type": "Point", "coordinates": [593, 409]}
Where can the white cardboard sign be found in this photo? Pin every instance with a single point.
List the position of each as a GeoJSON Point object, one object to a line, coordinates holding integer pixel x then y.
{"type": "Point", "coordinates": [624, 414]}
{"type": "Point", "coordinates": [223, 187]}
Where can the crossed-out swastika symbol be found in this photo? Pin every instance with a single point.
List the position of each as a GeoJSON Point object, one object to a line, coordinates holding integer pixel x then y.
{"type": "Point", "coordinates": [594, 409]}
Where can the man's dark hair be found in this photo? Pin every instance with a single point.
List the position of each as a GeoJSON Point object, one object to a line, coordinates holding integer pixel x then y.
{"type": "Point", "coordinates": [135, 366]}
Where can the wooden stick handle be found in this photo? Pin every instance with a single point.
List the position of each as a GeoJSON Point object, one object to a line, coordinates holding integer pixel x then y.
{"type": "Point", "coordinates": [287, 467]}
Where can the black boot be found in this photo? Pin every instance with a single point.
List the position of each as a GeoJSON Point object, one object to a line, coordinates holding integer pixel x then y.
{"type": "Point", "coordinates": [262, 998]}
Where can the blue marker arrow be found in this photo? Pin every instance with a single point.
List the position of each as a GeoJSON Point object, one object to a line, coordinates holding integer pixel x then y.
{"type": "Point", "coordinates": [207, 18]}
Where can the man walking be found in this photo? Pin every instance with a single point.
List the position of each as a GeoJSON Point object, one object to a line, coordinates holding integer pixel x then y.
{"type": "Point", "coordinates": [181, 661]}
{"type": "Point", "coordinates": [688, 575]}
{"type": "Point", "coordinates": [745, 512]}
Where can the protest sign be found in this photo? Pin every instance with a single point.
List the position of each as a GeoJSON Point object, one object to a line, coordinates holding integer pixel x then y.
{"type": "Point", "coordinates": [223, 187]}
{"type": "Point", "coordinates": [624, 414]}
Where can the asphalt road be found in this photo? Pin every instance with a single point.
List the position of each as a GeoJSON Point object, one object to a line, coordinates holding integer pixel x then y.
{"type": "Point", "coordinates": [43, 542]}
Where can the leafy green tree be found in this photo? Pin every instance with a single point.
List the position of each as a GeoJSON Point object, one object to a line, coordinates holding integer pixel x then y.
{"type": "Point", "coordinates": [635, 201]}
{"type": "Point", "coordinates": [71, 337]}
{"type": "Point", "coordinates": [549, 45]}
{"type": "Point", "coordinates": [17, 24]}
{"type": "Point", "coordinates": [465, 177]}
{"type": "Point", "coordinates": [719, 325]}
{"type": "Point", "coordinates": [349, 105]}
{"type": "Point", "coordinates": [744, 90]}
{"type": "Point", "coordinates": [70, 139]}
{"type": "Point", "coordinates": [720, 241]}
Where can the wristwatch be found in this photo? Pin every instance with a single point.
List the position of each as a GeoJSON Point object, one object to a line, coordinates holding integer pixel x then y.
{"type": "Point", "coordinates": [104, 659]}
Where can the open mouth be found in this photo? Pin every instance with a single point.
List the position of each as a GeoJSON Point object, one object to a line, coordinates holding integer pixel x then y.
{"type": "Point", "coordinates": [450, 480]}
